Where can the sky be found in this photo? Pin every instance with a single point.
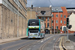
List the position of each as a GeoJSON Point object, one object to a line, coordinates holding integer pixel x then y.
{"type": "Point", "coordinates": [54, 3]}
{"type": "Point", "coordinates": [0, 1]}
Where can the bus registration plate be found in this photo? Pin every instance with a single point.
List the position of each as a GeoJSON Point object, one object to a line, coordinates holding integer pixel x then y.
{"type": "Point", "coordinates": [33, 37]}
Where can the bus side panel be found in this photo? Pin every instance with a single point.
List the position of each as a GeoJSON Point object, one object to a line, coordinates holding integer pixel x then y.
{"type": "Point", "coordinates": [27, 32]}
{"type": "Point", "coordinates": [42, 29]}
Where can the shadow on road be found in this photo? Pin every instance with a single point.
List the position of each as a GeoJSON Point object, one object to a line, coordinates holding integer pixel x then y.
{"type": "Point", "coordinates": [30, 38]}
{"type": "Point", "coordinates": [72, 38]}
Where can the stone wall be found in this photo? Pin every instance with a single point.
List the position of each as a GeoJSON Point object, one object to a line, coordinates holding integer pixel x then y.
{"type": "Point", "coordinates": [11, 24]}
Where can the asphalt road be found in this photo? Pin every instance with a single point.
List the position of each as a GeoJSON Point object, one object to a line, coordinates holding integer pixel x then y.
{"type": "Point", "coordinates": [50, 42]}
{"type": "Point", "coordinates": [72, 38]}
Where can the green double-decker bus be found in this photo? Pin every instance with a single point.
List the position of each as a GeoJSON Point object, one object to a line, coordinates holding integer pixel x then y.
{"type": "Point", "coordinates": [36, 28]}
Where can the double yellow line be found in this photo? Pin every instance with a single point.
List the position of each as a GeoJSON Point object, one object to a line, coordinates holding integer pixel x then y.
{"type": "Point", "coordinates": [60, 44]}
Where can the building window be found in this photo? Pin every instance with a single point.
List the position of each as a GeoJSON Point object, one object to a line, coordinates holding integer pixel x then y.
{"type": "Point", "coordinates": [52, 21]}
{"type": "Point", "coordinates": [56, 21]}
{"type": "Point", "coordinates": [48, 25]}
{"type": "Point", "coordinates": [48, 19]}
{"type": "Point", "coordinates": [37, 17]}
{"type": "Point", "coordinates": [56, 27]}
{"type": "Point", "coordinates": [43, 12]}
{"type": "Point", "coordinates": [52, 27]}
{"type": "Point", "coordinates": [45, 25]}
{"type": "Point", "coordinates": [56, 15]}
{"type": "Point", "coordinates": [61, 15]}
{"type": "Point", "coordinates": [52, 15]}
{"type": "Point", "coordinates": [11, 20]}
{"type": "Point", "coordinates": [61, 21]}
{"type": "Point", "coordinates": [61, 27]}
{"type": "Point", "coordinates": [42, 18]}
{"type": "Point", "coordinates": [64, 22]}
{"type": "Point", "coordinates": [18, 4]}
{"type": "Point", "coordinates": [64, 16]}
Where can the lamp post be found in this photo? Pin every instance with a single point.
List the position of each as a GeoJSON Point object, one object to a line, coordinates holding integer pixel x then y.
{"type": "Point", "coordinates": [51, 16]}
{"type": "Point", "coordinates": [58, 17]}
{"type": "Point", "coordinates": [54, 26]}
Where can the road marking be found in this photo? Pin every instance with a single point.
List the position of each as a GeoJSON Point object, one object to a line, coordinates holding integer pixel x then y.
{"type": "Point", "coordinates": [54, 39]}
{"type": "Point", "coordinates": [14, 45]}
{"type": "Point", "coordinates": [41, 41]}
{"type": "Point", "coordinates": [29, 49]}
{"type": "Point", "coordinates": [46, 39]}
{"type": "Point", "coordinates": [42, 47]}
{"type": "Point", "coordinates": [55, 47]}
{"type": "Point", "coordinates": [60, 46]}
{"type": "Point", "coordinates": [31, 44]}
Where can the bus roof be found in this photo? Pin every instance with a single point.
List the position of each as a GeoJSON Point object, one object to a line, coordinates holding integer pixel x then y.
{"type": "Point", "coordinates": [33, 19]}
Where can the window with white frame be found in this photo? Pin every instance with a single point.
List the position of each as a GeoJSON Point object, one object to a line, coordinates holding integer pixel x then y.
{"type": "Point", "coordinates": [61, 21]}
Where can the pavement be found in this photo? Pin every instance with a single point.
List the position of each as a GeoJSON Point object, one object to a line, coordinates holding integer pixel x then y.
{"type": "Point", "coordinates": [67, 44]}
{"type": "Point", "coordinates": [11, 39]}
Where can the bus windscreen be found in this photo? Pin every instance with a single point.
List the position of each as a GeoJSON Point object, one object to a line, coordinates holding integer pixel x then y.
{"type": "Point", "coordinates": [33, 23]}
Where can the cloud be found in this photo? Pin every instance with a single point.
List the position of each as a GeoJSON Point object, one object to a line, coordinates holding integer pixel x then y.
{"type": "Point", "coordinates": [0, 1]}
{"type": "Point", "coordinates": [46, 3]}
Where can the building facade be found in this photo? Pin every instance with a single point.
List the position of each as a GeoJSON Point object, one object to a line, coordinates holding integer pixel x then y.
{"type": "Point", "coordinates": [59, 15]}
{"type": "Point", "coordinates": [71, 15]}
{"type": "Point", "coordinates": [58, 20]}
{"type": "Point", "coordinates": [13, 18]}
{"type": "Point", "coordinates": [55, 17]}
{"type": "Point", "coordinates": [72, 22]}
{"type": "Point", "coordinates": [31, 14]}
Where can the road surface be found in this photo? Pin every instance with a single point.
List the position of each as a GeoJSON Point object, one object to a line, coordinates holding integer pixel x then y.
{"type": "Point", "coordinates": [72, 38]}
{"type": "Point", "coordinates": [50, 42]}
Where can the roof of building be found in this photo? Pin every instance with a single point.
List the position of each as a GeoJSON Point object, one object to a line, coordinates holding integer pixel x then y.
{"type": "Point", "coordinates": [46, 9]}
{"type": "Point", "coordinates": [71, 11]}
{"type": "Point", "coordinates": [54, 9]}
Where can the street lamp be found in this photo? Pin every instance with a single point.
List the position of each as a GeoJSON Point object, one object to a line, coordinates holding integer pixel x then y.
{"type": "Point", "coordinates": [51, 16]}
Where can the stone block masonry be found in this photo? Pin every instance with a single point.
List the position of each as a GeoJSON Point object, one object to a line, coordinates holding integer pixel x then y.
{"type": "Point", "coordinates": [11, 24]}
